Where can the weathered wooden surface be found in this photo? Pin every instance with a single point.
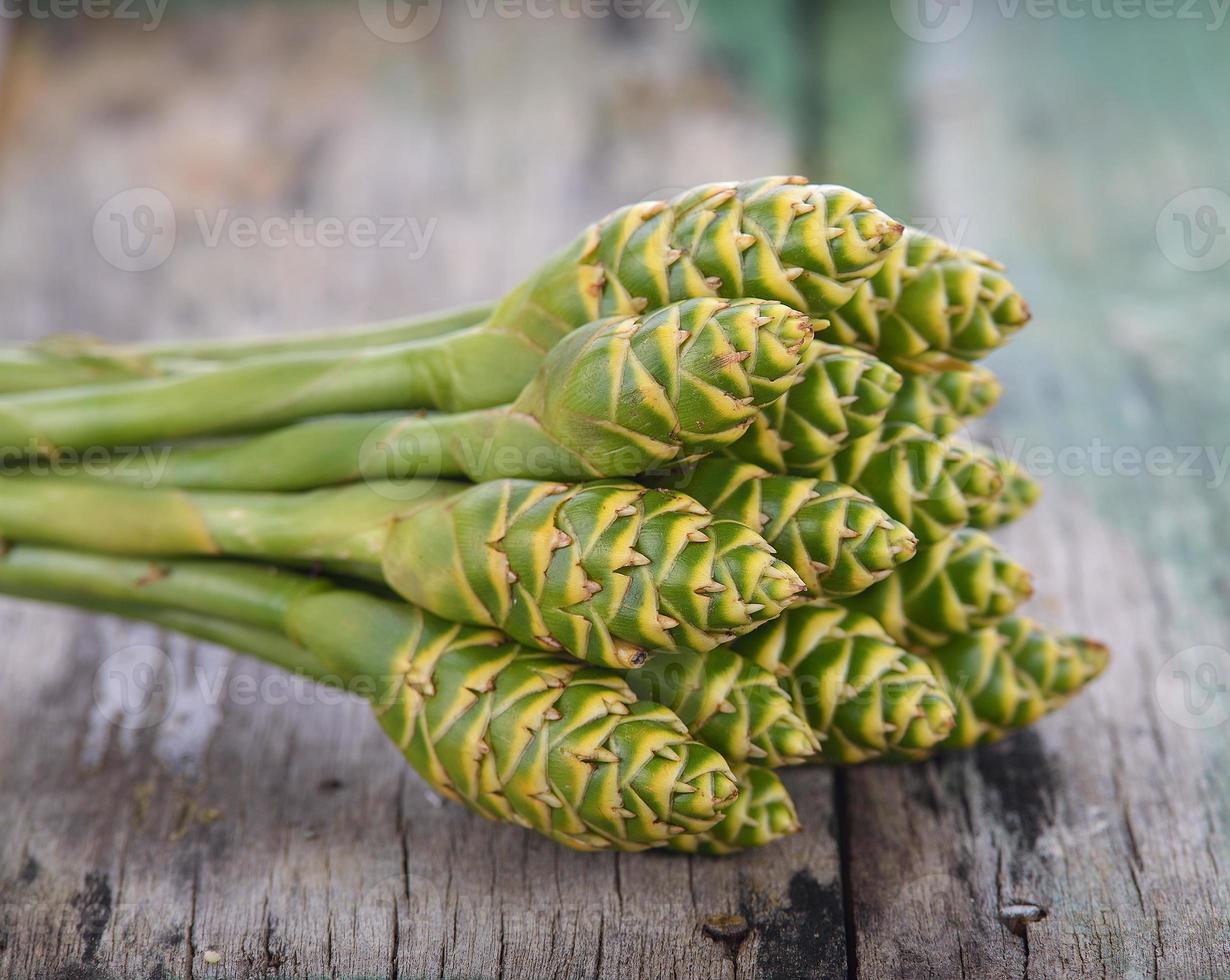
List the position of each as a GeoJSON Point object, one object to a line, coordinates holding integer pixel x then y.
{"type": "Point", "coordinates": [280, 829]}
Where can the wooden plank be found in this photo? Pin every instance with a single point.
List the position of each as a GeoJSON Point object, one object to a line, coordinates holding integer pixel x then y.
{"type": "Point", "coordinates": [283, 832]}
{"type": "Point", "coordinates": [1094, 844]}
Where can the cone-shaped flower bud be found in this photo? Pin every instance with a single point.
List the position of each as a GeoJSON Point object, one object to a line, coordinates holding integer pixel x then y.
{"type": "Point", "coordinates": [864, 697]}
{"type": "Point", "coordinates": [778, 238]}
{"type": "Point", "coordinates": [844, 394]}
{"type": "Point", "coordinates": [619, 770]}
{"type": "Point", "coordinates": [931, 307]}
{"type": "Point", "coordinates": [763, 813]}
{"type": "Point", "coordinates": [682, 382]}
{"type": "Point", "coordinates": [730, 704]}
{"type": "Point", "coordinates": [838, 540]}
{"type": "Point", "coordinates": [954, 586]}
{"type": "Point", "coordinates": [1021, 491]}
{"type": "Point", "coordinates": [608, 572]}
{"type": "Point", "coordinates": [942, 403]}
{"type": "Point", "coordinates": [928, 485]}
{"type": "Point", "coordinates": [616, 398]}
{"type": "Point", "coordinates": [533, 738]}
{"type": "Point", "coordinates": [1008, 676]}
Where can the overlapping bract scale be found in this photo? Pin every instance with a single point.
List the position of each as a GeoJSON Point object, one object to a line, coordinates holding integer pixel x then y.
{"type": "Point", "coordinates": [842, 394]}
{"type": "Point", "coordinates": [608, 572]}
{"type": "Point", "coordinates": [864, 697]}
{"type": "Point", "coordinates": [955, 586]}
{"type": "Point", "coordinates": [728, 703]}
{"type": "Point", "coordinates": [931, 307]}
{"type": "Point", "coordinates": [1008, 676]}
{"type": "Point", "coordinates": [762, 814]}
{"type": "Point", "coordinates": [839, 541]}
{"type": "Point", "coordinates": [683, 381]}
{"type": "Point", "coordinates": [928, 485]}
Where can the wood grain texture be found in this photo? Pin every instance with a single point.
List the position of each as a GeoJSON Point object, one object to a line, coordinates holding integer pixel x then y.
{"type": "Point", "coordinates": [272, 824]}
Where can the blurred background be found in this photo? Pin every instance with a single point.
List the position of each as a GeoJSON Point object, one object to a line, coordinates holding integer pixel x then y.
{"type": "Point", "coordinates": [177, 167]}
{"type": "Point", "coordinates": [211, 169]}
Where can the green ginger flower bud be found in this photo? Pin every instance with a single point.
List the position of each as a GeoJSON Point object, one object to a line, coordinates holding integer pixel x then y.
{"type": "Point", "coordinates": [955, 586]}
{"type": "Point", "coordinates": [608, 572]}
{"type": "Point", "coordinates": [763, 813]}
{"type": "Point", "coordinates": [839, 541]}
{"type": "Point", "coordinates": [942, 403]}
{"type": "Point", "coordinates": [728, 703]}
{"type": "Point", "coordinates": [1021, 491]}
{"type": "Point", "coordinates": [928, 485]}
{"type": "Point", "coordinates": [864, 697]}
{"type": "Point", "coordinates": [1008, 676]}
{"type": "Point", "coordinates": [931, 307]}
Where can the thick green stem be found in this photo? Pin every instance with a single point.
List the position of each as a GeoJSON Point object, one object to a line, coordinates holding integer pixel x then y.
{"type": "Point", "coordinates": [617, 397]}
{"type": "Point", "coordinates": [247, 595]}
{"type": "Point", "coordinates": [485, 445]}
{"type": "Point", "coordinates": [25, 370]}
{"type": "Point", "coordinates": [399, 331]}
{"type": "Point", "coordinates": [606, 571]}
{"type": "Point", "coordinates": [267, 645]}
{"type": "Point", "coordinates": [75, 362]}
{"type": "Point", "coordinates": [271, 647]}
{"type": "Point", "coordinates": [349, 524]}
{"type": "Point", "coordinates": [249, 395]}
{"type": "Point", "coordinates": [239, 600]}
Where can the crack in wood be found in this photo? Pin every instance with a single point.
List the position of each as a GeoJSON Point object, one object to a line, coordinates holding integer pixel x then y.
{"type": "Point", "coordinates": [93, 904]}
